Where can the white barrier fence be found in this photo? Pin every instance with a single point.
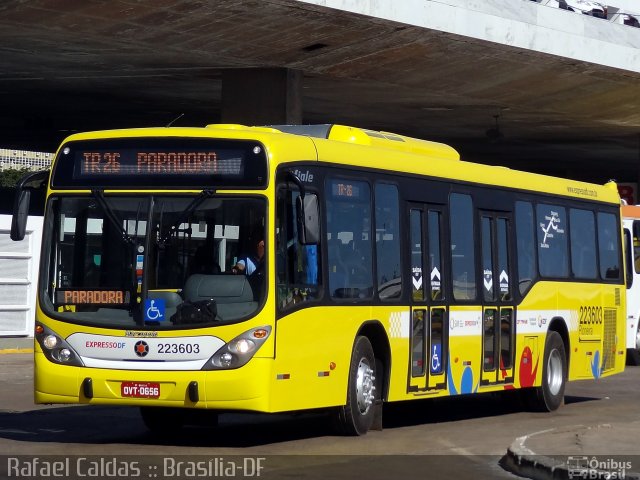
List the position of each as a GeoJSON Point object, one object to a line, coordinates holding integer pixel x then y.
{"type": "Point", "coordinates": [18, 277]}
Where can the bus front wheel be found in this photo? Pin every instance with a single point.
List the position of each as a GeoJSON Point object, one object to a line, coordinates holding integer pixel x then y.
{"type": "Point", "coordinates": [550, 395]}
{"type": "Point", "coordinates": [357, 416]}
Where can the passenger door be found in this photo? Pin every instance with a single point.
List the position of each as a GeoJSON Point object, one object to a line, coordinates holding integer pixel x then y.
{"type": "Point", "coordinates": [498, 311]}
{"type": "Point", "coordinates": [429, 313]}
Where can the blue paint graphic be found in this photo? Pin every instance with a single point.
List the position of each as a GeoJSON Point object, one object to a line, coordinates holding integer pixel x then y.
{"type": "Point", "coordinates": [596, 366]}
{"type": "Point", "coordinates": [466, 383]}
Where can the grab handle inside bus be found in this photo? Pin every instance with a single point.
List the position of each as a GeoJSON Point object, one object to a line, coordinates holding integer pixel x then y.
{"type": "Point", "coordinates": [29, 182]}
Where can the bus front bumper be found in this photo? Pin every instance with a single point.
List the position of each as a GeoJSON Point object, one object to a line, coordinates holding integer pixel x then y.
{"type": "Point", "coordinates": [245, 388]}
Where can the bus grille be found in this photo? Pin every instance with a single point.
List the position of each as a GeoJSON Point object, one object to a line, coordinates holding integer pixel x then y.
{"type": "Point", "coordinates": [609, 343]}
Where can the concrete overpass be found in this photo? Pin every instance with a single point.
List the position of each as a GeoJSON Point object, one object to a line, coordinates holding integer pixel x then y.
{"type": "Point", "coordinates": [511, 82]}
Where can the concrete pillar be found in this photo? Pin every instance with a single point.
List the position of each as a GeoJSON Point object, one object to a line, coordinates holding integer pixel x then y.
{"type": "Point", "coordinates": [261, 96]}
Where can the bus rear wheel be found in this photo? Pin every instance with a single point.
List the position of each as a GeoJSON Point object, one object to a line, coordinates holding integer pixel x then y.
{"type": "Point", "coordinates": [357, 416]}
{"type": "Point", "coordinates": [550, 395]}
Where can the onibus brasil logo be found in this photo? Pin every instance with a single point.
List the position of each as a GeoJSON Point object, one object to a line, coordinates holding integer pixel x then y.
{"type": "Point", "coordinates": [595, 468]}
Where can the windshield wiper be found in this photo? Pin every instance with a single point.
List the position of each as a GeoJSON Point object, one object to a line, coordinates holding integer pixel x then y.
{"type": "Point", "coordinates": [117, 222]}
{"type": "Point", "coordinates": [111, 215]}
{"type": "Point", "coordinates": [186, 213]}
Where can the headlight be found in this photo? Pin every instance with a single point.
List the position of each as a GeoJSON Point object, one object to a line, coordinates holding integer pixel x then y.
{"type": "Point", "coordinates": [55, 348]}
{"type": "Point", "coordinates": [226, 359]}
{"type": "Point", "coordinates": [64, 355]}
{"type": "Point", "coordinates": [238, 351]}
{"type": "Point", "coordinates": [242, 346]}
{"type": "Point", "coordinates": [50, 342]}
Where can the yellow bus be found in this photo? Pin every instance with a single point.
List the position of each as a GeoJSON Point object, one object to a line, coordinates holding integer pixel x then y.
{"type": "Point", "coordinates": [289, 268]}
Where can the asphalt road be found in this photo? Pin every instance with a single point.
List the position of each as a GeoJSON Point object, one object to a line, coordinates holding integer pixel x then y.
{"type": "Point", "coordinates": [459, 437]}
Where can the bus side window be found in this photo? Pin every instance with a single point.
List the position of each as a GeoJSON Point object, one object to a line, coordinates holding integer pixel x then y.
{"type": "Point", "coordinates": [608, 243]}
{"type": "Point", "coordinates": [349, 239]}
{"type": "Point", "coordinates": [551, 223]}
{"type": "Point", "coordinates": [387, 241]}
{"type": "Point", "coordinates": [583, 244]}
{"type": "Point", "coordinates": [297, 266]}
{"type": "Point", "coordinates": [463, 264]}
{"type": "Point", "coordinates": [525, 242]}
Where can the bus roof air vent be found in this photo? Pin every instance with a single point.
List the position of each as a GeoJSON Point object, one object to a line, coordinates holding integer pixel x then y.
{"type": "Point", "coordinates": [228, 126]}
{"type": "Point", "coordinates": [234, 126]}
{"type": "Point", "coordinates": [392, 141]}
{"type": "Point", "coordinates": [361, 136]}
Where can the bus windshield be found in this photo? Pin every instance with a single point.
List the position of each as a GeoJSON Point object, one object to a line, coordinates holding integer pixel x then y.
{"type": "Point", "coordinates": [154, 261]}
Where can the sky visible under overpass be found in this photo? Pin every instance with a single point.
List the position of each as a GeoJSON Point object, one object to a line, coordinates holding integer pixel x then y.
{"type": "Point", "coordinates": [509, 82]}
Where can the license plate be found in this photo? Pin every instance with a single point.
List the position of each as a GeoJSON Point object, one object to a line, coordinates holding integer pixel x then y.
{"type": "Point", "coordinates": [140, 389]}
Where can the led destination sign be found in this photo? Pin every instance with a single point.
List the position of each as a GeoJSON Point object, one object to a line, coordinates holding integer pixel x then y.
{"type": "Point", "coordinates": [133, 162]}
{"type": "Point", "coordinates": [343, 189]}
{"type": "Point", "coordinates": [92, 297]}
{"type": "Point", "coordinates": [150, 162]}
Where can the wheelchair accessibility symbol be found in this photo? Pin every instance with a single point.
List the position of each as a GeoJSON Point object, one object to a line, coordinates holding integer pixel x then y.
{"type": "Point", "coordinates": [436, 363]}
{"type": "Point", "coordinates": [154, 309]}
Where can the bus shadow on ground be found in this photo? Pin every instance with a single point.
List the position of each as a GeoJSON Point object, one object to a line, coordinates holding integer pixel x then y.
{"type": "Point", "coordinates": [123, 425]}
{"type": "Point", "coordinates": [569, 399]}
{"type": "Point", "coordinates": [464, 407]}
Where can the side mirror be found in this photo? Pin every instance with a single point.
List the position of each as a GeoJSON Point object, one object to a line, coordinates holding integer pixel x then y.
{"type": "Point", "coordinates": [22, 202]}
{"type": "Point", "coordinates": [308, 218]}
{"type": "Point", "coordinates": [20, 215]}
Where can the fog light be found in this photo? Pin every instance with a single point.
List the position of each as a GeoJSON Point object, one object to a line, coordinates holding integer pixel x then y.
{"type": "Point", "coordinates": [226, 359]}
{"type": "Point", "coordinates": [50, 341]}
{"type": "Point", "coordinates": [65, 355]}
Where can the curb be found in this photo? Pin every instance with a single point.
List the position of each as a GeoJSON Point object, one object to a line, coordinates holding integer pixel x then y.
{"type": "Point", "coordinates": [9, 345]}
{"type": "Point", "coordinates": [522, 461]}
{"type": "Point", "coordinates": [7, 351]}
{"type": "Point", "coordinates": [537, 467]}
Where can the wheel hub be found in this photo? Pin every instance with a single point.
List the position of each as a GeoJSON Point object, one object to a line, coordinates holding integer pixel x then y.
{"type": "Point", "coordinates": [365, 386]}
{"type": "Point", "coordinates": [554, 372]}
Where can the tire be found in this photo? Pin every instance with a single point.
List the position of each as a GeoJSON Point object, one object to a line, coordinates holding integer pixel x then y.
{"type": "Point", "coordinates": [633, 354]}
{"type": "Point", "coordinates": [633, 357]}
{"type": "Point", "coordinates": [163, 421]}
{"type": "Point", "coordinates": [363, 391]}
{"type": "Point", "coordinates": [549, 396]}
